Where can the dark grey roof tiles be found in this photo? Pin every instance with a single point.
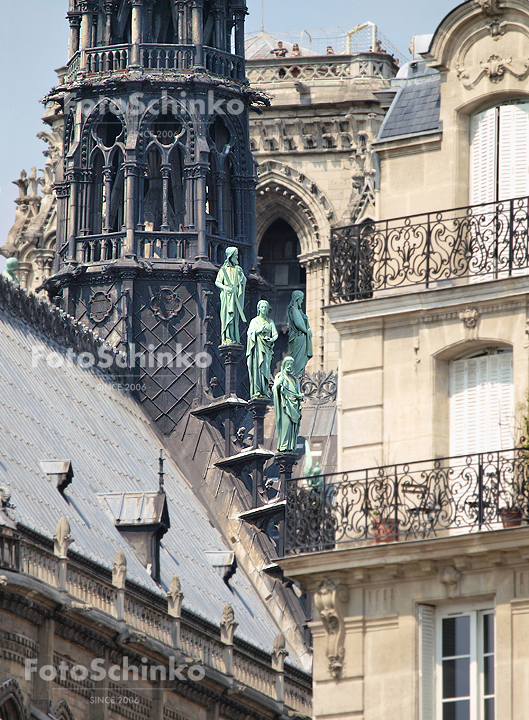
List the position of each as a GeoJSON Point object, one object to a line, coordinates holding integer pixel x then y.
{"type": "Point", "coordinates": [70, 413]}
{"type": "Point", "coordinates": [415, 109]}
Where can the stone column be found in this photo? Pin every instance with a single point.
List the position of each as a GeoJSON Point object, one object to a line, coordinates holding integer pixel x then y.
{"type": "Point", "coordinates": [200, 212]}
{"type": "Point", "coordinates": [285, 461]}
{"type": "Point", "coordinates": [108, 7]}
{"type": "Point", "coordinates": [131, 172]}
{"type": "Point", "coordinates": [174, 609]}
{"type": "Point", "coordinates": [220, 179]}
{"type": "Point", "coordinates": [119, 578]}
{"type": "Point", "coordinates": [136, 32]}
{"type": "Point", "coordinates": [72, 216]}
{"type": "Point", "coordinates": [258, 406]}
{"type": "Point", "coordinates": [166, 174]}
{"type": "Point", "coordinates": [181, 33]}
{"type": "Point", "coordinates": [62, 191]}
{"type": "Point", "coordinates": [198, 32]}
{"type": "Point", "coordinates": [107, 174]}
{"type": "Point", "coordinates": [74, 18]}
{"type": "Point", "coordinates": [87, 10]}
{"type": "Point", "coordinates": [231, 355]}
{"type": "Point", "coordinates": [227, 630]}
{"type": "Point", "coordinates": [239, 14]}
{"type": "Point", "coordinates": [43, 689]}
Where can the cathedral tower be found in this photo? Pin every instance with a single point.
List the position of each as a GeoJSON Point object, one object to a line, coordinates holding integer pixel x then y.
{"type": "Point", "coordinates": [158, 180]}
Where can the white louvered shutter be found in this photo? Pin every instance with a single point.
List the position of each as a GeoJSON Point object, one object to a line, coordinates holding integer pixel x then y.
{"type": "Point", "coordinates": [481, 404]}
{"type": "Point", "coordinates": [513, 154]}
{"type": "Point", "coordinates": [483, 157]}
{"type": "Point", "coordinates": [426, 662]}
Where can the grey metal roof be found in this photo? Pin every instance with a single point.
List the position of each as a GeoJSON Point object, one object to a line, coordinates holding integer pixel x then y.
{"type": "Point", "coordinates": [49, 413]}
{"type": "Point", "coordinates": [415, 109]}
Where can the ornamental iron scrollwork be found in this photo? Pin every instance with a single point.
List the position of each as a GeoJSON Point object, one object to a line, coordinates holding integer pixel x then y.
{"type": "Point", "coordinates": [100, 306]}
{"type": "Point", "coordinates": [166, 304]}
{"type": "Point", "coordinates": [485, 242]}
{"type": "Point", "coordinates": [320, 387]}
{"type": "Point", "coordinates": [435, 498]}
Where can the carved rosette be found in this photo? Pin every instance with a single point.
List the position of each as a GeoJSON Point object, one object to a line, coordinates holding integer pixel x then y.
{"type": "Point", "coordinates": [330, 600]}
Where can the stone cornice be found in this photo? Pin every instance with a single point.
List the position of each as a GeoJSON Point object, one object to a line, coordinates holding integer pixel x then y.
{"type": "Point", "coordinates": [492, 296]}
{"type": "Point", "coordinates": [486, 549]}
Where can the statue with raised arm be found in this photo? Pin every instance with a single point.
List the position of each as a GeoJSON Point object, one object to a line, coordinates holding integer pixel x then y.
{"type": "Point", "coordinates": [299, 333]}
{"type": "Point", "coordinates": [231, 281]}
{"type": "Point", "coordinates": [262, 335]}
{"type": "Point", "coordinates": [287, 406]}
{"type": "Point", "coordinates": [10, 269]}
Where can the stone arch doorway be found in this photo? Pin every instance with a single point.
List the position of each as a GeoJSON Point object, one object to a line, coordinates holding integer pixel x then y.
{"type": "Point", "coordinates": [279, 251]}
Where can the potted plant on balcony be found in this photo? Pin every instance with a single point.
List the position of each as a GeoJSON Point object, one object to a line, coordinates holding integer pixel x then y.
{"type": "Point", "coordinates": [384, 530]}
{"type": "Point", "coordinates": [514, 513]}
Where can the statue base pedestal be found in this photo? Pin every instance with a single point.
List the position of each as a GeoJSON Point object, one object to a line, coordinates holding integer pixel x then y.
{"type": "Point", "coordinates": [258, 406]}
{"type": "Point", "coordinates": [285, 460]}
{"type": "Point", "coordinates": [231, 354]}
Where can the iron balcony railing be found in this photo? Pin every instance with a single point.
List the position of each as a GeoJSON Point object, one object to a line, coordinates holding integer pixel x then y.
{"type": "Point", "coordinates": [479, 242]}
{"type": "Point", "coordinates": [430, 499]}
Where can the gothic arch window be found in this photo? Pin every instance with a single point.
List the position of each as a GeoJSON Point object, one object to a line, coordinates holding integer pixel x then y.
{"type": "Point", "coordinates": [279, 264]}
{"type": "Point", "coordinates": [109, 129]}
{"type": "Point", "coordinates": [153, 188]}
{"type": "Point", "coordinates": [481, 401]}
{"type": "Point", "coordinates": [499, 153]}
{"type": "Point", "coordinates": [220, 191]}
{"type": "Point", "coordinates": [115, 208]}
{"type": "Point", "coordinates": [98, 193]}
{"type": "Point", "coordinates": [9, 711]}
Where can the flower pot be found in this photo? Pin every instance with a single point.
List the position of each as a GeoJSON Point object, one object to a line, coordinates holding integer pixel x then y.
{"type": "Point", "coordinates": [384, 531]}
{"type": "Point", "coordinates": [511, 516]}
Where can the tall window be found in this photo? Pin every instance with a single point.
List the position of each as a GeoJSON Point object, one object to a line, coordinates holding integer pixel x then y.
{"type": "Point", "coordinates": [481, 402]}
{"type": "Point", "coordinates": [457, 663]}
{"type": "Point", "coordinates": [499, 154]}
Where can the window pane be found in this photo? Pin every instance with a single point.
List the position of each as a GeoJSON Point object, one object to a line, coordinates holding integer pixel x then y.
{"type": "Point", "coordinates": [488, 634]}
{"type": "Point", "coordinates": [489, 709]}
{"type": "Point", "coordinates": [456, 678]}
{"type": "Point", "coordinates": [456, 636]}
{"type": "Point", "coordinates": [459, 710]}
{"type": "Point", "coordinates": [488, 666]}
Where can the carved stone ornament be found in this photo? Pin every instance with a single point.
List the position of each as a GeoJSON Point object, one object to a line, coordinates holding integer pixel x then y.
{"type": "Point", "coordinates": [494, 68]}
{"type": "Point", "coordinates": [166, 304]}
{"type": "Point", "coordinates": [228, 625]}
{"type": "Point", "coordinates": [470, 318]}
{"type": "Point", "coordinates": [175, 597]}
{"type": "Point", "coordinates": [490, 7]}
{"type": "Point", "coordinates": [119, 570]}
{"type": "Point", "coordinates": [320, 387]}
{"type": "Point", "coordinates": [101, 306]}
{"type": "Point", "coordinates": [62, 539]}
{"type": "Point", "coordinates": [330, 600]}
{"type": "Point", "coordinates": [279, 652]}
{"type": "Point", "coordinates": [451, 578]}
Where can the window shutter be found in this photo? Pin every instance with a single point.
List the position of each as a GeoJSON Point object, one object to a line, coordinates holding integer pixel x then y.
{"type": "Point", "coordinates": [513, 160]}
{"type": "Point", "coordinates": [481, 404]}
{"type": "Point", "coordinates": [426, 662]}
{"type": "Point", "coordinates": [483, 157]}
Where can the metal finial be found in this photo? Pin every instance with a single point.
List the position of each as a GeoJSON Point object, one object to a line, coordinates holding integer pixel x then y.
{"type": "Point", "coordinates": [160, 471]}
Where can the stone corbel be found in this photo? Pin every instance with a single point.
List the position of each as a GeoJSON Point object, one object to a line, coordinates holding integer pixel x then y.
{"type": "Point", "coordinates": [279, 654]}
{"type": "Point", "coordinates": [330, 600]}
{"type": "Point", "coordinates": [61, 542]}
{"type": "Point", "coordinates": [450, 577]}
{"type": "Point", "coordinates": [119, 578]}
{"type": "Point", "coordinates": [174, 608]}
{"type": "Point", "coordinates": [470, 318]}
{"type": "Point", "coordinates": [227, 631]}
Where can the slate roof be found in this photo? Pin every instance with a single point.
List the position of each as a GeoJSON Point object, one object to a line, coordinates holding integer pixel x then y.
{"type": "Point", "coordinates": [70, 413]}
{"type": "Point", "coordinates": [414, 110]}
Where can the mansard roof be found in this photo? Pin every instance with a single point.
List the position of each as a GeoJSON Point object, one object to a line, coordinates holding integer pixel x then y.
{"type": "Point", "coordinates": [51, 413]}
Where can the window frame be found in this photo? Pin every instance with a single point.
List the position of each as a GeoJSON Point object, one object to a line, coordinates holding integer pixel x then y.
{"type": "Point", "coordinates": [476, 612]}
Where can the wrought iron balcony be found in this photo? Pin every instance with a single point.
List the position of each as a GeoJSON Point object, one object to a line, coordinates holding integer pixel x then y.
{"type": "Point", "coordinates": [431, 499]}
{"type": "Point", "coordinates": [478, 242]}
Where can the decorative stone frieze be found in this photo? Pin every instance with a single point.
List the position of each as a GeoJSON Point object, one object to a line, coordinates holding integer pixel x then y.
{"type": "Point", "coordinates": [330, 600]}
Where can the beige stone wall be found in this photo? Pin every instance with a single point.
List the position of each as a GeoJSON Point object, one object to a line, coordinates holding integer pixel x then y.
{"type": "Point", "coordinates": [381, 664]}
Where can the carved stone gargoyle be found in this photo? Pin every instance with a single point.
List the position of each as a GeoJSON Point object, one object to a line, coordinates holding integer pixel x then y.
{"type": "Point", "coordinates": [330, 600]}
{"type": "Point", "coordinates": [62, 539]}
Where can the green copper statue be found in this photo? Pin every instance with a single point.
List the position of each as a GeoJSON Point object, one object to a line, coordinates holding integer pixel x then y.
{"type": "Point", "coordinates": [262, 335]}
{"type": "Point", "coordinates": [10, 269]}
{"type": "Point", "coordinates": [299, 334]}
{"type": "Point", "coordinates": [287, 406]}
{"type": "Point", "coordinates": [231, 281]}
